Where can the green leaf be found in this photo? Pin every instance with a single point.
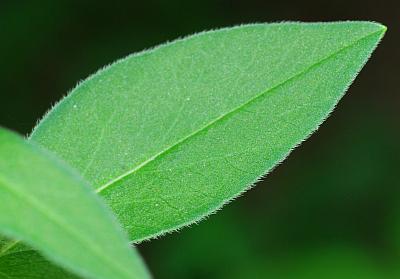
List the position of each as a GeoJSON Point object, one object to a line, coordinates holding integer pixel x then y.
{"type": "Point", "coordinates": [47, 205]}
{"type": "Point", "coordinates": [30, 264]}
{"type": "Point", "coordinates": [8, 246]}
{"type": "Point", "coordinates": [169, 135]}
{"type": "Point", "coordinates": [18, 261]}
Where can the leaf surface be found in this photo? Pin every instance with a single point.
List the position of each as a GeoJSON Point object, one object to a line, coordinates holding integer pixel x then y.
{"type": "Point", "coordinates": [30, 264]}
{"type": "Point", "coordinates": [169, 135]}
{"type": "Point", "coordinates": [46, 204]}
{"type": "Point", "coordinates": [18, 261]}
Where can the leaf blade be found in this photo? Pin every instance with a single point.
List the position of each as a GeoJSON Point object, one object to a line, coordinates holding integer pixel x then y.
{"type": "Point", "coordinates": [30, 264]}
{"type": "Point", "coordinates": [20, 261]}
{"type": "Point", "coordinates": [196, 79]}
{"type": "Point", "coordinates": [53, 209]}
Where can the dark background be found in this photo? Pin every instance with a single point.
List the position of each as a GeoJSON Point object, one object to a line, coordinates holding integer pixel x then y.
{"type": "Point", "coordinates": [332, 210]}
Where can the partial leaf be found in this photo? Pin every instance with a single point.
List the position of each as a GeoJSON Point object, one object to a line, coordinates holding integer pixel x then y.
{"type": "Point", "coordinates": [18, 261]}
{"type": "Point", "coordinates": [169, 135]}
{"type": "Point", "coordinates": [30, 264]}
{"type": "Point", "coordinates": [8, 246]}
{"type": "Point", "coordinates": [47, 205]}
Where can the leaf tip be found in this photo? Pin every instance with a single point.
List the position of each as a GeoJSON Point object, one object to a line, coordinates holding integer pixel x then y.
{"type": "Point", "coordinates": [379, 27]}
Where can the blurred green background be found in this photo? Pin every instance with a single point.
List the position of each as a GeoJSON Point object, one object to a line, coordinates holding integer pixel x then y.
{"type": "Point", "coordinates": [332, 210]}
